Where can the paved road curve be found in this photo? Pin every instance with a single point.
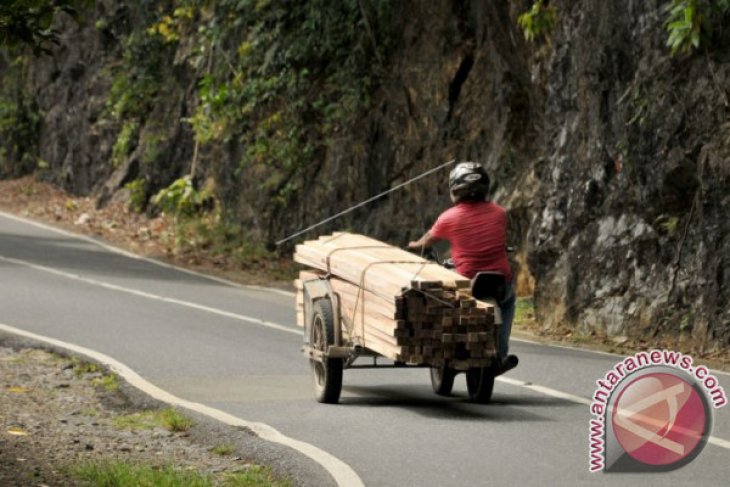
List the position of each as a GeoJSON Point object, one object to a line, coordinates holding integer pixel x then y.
{"type": "Point", "coordinates": [236, 349]}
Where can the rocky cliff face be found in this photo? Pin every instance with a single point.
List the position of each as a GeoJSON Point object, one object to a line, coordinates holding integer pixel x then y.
{"type": "Point", "coordinates": [611, 155]}
{"type": "Point", "coordinates": [629, 233]}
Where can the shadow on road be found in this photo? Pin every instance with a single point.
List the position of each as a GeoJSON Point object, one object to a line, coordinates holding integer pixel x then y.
{"type": "Point", "coordinates": [458, 407]}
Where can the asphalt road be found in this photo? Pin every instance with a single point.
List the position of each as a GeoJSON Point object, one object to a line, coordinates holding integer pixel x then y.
{"type": "Point", "coordinates": [236, 349]}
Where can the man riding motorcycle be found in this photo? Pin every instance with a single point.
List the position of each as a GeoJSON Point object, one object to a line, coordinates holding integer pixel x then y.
{"type": "Point", "coordinates": [476, 229]}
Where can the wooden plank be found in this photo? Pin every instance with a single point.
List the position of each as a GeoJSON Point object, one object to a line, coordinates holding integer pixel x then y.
{"type": "Point", "coordinates": [351, 255]}
{"type": "Point", "coordinates": [392, 299]}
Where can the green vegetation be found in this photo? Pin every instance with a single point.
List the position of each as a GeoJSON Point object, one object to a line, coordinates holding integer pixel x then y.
{"type": "Point", "coordinates": [126, 142]}
{"type": "Point", "coordinates": [20, 120]}
{"type": "Point", "coordinates": [281, 80]}
{"type": "Point", "coordinates": [277, 83]}
{"type": "Point", "coordinates": [524, 310]}
{"type": "Point", "coordinates": [192, 226]}
{"type": "Point", "coordinates": [136, 80]}
{"type": "Point", "coordinates": [174, 421]}
{"type": "Point", "coordinates": [118, 474]}
{"type": "Point", "coordinates": [301, 75]}
{"type": "Point", "coordinates": [222, 450]}
{"type": "Point", "coordinates": [90, 412]}
{"type": "Point", "coordinates": [170, 26]}
{"type": "Point", "coordinates": [109, 382]}
{"type": "Point", "coordinates": [137, 84]}
{"type": "Point", "coordinates": [222, 238]}
{"type": "Point", "coordinates": [169, 419]}
{"type": "Point", "coordinates": [198, 225]}
{"type": "Point", "coordinates": [29, 22]}
{"type": "Point", "coordinates": [668, 223]}
{"type": "Point", "coordinates": [19, 127]}
{"type": "Point", "coordinates": [692, 23]}
{"type": "Point", "coordinates": [539, 21]}
{"type": "Point", "coordinates": [137, 194]}
{"type": "Point", "coordinates": [181, 198]}
{"type": "Point", "coordinates": [80, 368]}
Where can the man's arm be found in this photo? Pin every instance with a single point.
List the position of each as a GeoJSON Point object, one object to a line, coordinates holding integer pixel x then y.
{"type": "Point", "coordinates": [426, 241]}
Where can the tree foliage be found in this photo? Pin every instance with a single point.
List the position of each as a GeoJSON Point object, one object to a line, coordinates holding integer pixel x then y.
{"type": "Point", "coordinates": [20, 118]}
{"type": "Point", "coordinates": [181, 198]}
{"type": "Point", "coordinates": [538, 21]}
{"type": "Point", "coordinates": [283, 79]}
{"type": "Point", "coordinates": [30, 22]}
{"type": "Point", "coordinates": [691, 23]}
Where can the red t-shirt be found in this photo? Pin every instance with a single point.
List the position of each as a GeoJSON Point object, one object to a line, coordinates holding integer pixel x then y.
{"type": "Point", "coordinates": [477, 232]}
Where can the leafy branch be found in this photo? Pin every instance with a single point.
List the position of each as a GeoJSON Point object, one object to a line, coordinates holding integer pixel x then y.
{"type": "Point", "coordinates": [538, 21]}
{"type": "Point", "coordinates": [691, 23]}
{"type": "Point", "coordinates": [181, 198]}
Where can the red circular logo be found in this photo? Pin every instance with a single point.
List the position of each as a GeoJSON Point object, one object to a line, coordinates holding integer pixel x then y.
{"type": "Point", "coordinates": [659, 419]}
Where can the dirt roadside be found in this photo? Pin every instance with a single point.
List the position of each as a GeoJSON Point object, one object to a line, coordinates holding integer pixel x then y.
{"type": "Point", "coordinates": [57, 413]}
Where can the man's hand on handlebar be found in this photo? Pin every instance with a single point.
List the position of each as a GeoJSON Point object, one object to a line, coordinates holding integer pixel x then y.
{"type": "Point", "coordinates": [426, 241]}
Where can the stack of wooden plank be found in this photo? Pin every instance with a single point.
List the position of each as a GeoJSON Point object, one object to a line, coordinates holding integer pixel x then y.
{"type": "Point", "coordinates": [398, 304]}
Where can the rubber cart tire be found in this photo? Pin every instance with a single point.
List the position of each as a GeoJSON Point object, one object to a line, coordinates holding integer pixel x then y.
{"type": "Point", "coordinates": [327, 374]}
{"type": "Point", "coordinates": [480, 384]}
{"type": "Point", "coordinates": [442, 380]}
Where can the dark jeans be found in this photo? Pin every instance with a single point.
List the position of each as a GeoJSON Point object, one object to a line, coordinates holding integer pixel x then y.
{"type": "Point", "coordinates": [507, 308]}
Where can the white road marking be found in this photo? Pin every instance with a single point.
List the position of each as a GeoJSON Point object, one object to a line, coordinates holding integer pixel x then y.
{"type": "Point", "coordinates": [719, 442]}
{"type": "Point", "coordinates": [131, 255]}
{"type": "Point", "coordinates": [343, 474]}
{"type": "Point", "coordinates": [544, 390]}
{"type": "Point", "coordinates": [548, 391]}
{"type": "Point", "coordinates": [157, 297]}
{"type": "Point", "coordinates": [597, 352]}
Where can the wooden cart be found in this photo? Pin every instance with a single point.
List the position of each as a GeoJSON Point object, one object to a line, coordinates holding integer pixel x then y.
{"type": "Point", "coordinates": [330, 353]}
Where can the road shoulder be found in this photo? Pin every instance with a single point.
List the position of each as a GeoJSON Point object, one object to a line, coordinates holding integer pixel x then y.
{"type": "Point", "coordinates": [57, 411]}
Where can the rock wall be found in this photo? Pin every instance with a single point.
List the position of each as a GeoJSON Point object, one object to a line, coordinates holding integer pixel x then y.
{"type": "Point", "coordinates": [629, 234]}
{"type": "Point", "coordinates": [610, 154]}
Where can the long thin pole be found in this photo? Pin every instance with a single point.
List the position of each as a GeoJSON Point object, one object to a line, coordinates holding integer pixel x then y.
{"type": "Point", "coordinates": [369, 200]}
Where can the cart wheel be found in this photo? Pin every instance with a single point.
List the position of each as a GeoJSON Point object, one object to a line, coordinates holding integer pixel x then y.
{"type": "Point", "coordinates": [480, 384]}
{"type": "Point", "coordinates": [442, 380]}
{"type": "Point", "coordinates": [328, 373]}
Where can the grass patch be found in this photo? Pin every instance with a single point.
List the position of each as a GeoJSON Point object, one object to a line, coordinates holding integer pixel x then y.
{"type": "Point", "coordinates": [81, 368]}
{"type": "Point", "coordinates": [90, 412]}
{"type": "Point", "coordinates": [18, 360]}
{"type": "Point", "coordinates": [168, 419]}
{"type": "Point", "coordinates": [174, 421]}
{"type": "Point", "coordinates": [524, 310]}
{"type": "Point", "coordinates": [120, 474]}
{"type": "Point", "coordinates": [254, 476]}
{"type": "Point", "coordinates": [222, 450]}
{"type": "Point", "coordinates": [109, 382]}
